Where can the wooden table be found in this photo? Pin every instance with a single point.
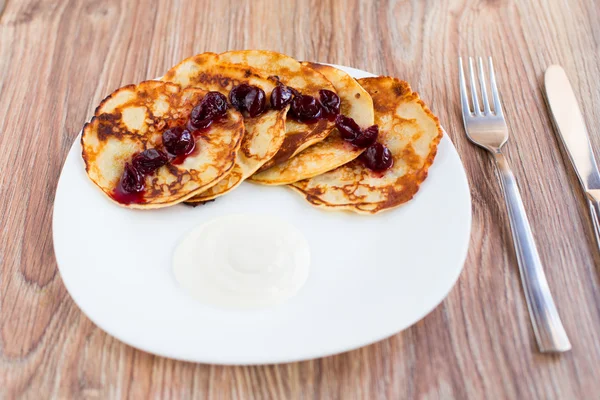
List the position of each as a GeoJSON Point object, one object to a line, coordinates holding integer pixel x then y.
{"type": "Point", "coordinates": [59, 58]}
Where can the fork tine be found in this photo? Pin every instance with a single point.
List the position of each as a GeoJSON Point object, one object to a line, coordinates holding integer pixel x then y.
{"type": "Point", "coordinates": [484, 95]}
{"type": "Point", "coordinates": [464, 99]}
{"type": "Point", "coordinates": [494, 88]}
{"type": "Point", "coordinates": [474, 96]}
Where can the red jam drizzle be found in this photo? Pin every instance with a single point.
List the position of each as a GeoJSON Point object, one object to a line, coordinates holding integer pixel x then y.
{"type": "Point", "coordinates": [121, 196]}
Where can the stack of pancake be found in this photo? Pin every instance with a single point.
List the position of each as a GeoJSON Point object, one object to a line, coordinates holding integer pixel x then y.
{"type": "Point", "coordinates": [311, 157]}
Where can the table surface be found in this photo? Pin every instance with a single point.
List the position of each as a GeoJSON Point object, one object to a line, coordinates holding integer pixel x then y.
{"type": "Point", "coordinates": [59, 58]}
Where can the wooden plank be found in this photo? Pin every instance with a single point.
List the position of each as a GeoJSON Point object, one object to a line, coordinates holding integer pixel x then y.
{"type": "Point", "coordinates": [58, 59]}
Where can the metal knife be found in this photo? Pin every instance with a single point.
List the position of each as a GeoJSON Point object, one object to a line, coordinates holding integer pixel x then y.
{"type": "Point", "coordinates": [573, 133]}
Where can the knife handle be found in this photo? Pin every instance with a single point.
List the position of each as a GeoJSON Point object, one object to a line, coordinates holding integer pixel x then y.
{"type": "Point", "coordinates": [549, 331]}
{"type": "Point", "coordinates": [593, 197]}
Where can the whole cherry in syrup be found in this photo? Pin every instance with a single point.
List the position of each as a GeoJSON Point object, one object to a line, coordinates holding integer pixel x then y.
{"type": "Point", "coordinates": [305, 108]}
{"type": "Point", "coordinates": [149, 161]}
{"type": "Point", "coordinates": [237, 95]}
{"type": "Point", "coordinates": [251, 99]}
{"type": "Point", "coordinates": [178, 141]}
{"type": "Point", "coordinates": [330, 103]}
{"type": "Point", "coordinates": [377, 157]}
{"type": "Point", "coordinates": [215, 103]}
{"type": "Point", "coordinates": [132, 180]}
{"type": "Point", "coordinates": [367, 137]}
{"type": "Point", "coordinates": [256, 101]}
{"type": "Point", "coordinates": [281, 96]}
{"type": "Point", "coordinates": [212, 106]}
{"type": "Point", "coordinates": [351, 132]}
{"type": "Point", "coordinates": [130, 188]}
{"type": "Point", "coordinates": [348, 128]}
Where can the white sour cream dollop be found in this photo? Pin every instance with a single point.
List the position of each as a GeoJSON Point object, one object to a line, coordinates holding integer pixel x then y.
{"type": "Point", "coordinates": [242, 261]}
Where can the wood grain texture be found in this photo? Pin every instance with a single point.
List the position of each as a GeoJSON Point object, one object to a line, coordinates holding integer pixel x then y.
{"type": "Point", "coordinates": [59, 58]}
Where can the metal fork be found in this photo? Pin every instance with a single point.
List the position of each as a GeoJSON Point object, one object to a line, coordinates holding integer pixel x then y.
{"type": "Point", "coordinates": [487, 128]}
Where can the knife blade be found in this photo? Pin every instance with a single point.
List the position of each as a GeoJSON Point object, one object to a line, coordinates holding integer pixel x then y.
{"type": "Point", "coordinates": [570, 126]}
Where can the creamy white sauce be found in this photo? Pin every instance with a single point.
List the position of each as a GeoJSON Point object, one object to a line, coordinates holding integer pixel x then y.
{"type": "Point", "coordinates": [242, 261]}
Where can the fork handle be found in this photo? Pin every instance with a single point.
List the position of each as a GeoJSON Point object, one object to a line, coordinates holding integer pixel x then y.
{"type": "Point", "coordinates": [549, 331]}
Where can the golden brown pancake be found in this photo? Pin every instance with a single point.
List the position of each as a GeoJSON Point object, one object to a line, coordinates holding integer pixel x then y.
{"type": "Point", "coordinates": [412, 133]}
{"type": "Point", "coordinates": [333, 151]}
{"type": "Point", "coordinates": [133, 119]}
{"type": "Point", "coordinates": [279, 67]}
{"type": "Point", "coordinates": [264, 134]}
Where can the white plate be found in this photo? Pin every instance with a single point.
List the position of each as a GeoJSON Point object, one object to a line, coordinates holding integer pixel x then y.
{"type": "Point", "coordinates": [370, 277]}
